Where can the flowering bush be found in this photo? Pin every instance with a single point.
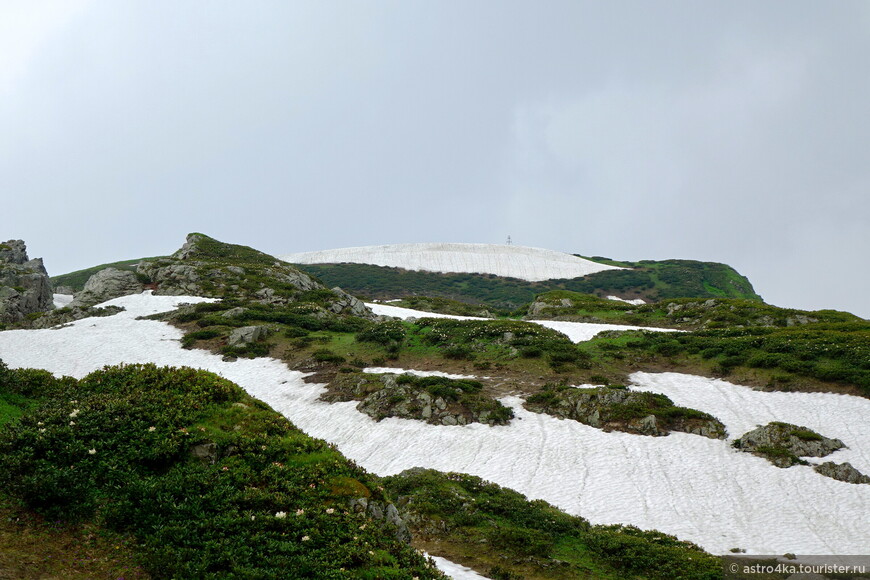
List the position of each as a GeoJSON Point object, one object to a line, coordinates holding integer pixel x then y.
{"type": "Point", "coordinates": [202, 475]}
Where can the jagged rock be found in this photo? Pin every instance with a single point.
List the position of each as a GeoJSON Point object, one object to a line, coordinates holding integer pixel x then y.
{"type": "Point", "coordinates": [783, 443]}
{"type": "Point", "coordinates": [171, 279]}
{"type": "Point", "coordinates": [65, 290]}
{"type": "Point", "coordinates": [379, 510]}
{"type": "Point", "coordinates": [842, 472]}
{"type": "Point", "coordinates": [617, 409]}
{"type": "Point", "coordinates": [247, 335]}
{"type": "Point", "coordinates": [13, 252]}
{"type": "Point", "coordinates": [105, 285]}
{"type": "Point", "coordinates": [25, 288]}
{"type": "Point", "coordinates": [347, 304]}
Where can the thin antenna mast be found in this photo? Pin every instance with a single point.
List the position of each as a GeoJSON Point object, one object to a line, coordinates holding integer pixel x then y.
{"type": "Point", "coordinates": [509, 242]}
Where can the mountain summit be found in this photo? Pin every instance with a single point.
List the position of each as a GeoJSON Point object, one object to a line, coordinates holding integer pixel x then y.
{"type": "Point", "coordinates": [531, 264]}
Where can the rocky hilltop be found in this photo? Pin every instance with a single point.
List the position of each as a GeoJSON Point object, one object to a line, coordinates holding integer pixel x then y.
{"type": "Point", "coordinates": [24, 285]}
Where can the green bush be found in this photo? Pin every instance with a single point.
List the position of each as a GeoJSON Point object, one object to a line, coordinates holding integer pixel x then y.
{"type": "Point", "coordinates": [115, 449]}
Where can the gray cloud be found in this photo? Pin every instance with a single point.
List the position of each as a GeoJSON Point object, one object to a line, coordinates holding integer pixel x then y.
{"type": "Point", "coordinates": [729, 132]}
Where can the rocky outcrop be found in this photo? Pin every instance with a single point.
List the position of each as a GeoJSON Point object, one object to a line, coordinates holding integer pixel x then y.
{"type": "Point", "coordinates": [841, 472]}
{"type": "Point", "coordinates": [389, 395]}
{"type": "Point", "coordinates": [206, 267]}
{"type": "Point", "coordinates": [382, 511]}
{"type": "Point", "coordinates": [247, 335]}
{"type": "Point", "coordinates": [25, 288]}
{"type": "Point", "coordinates": [783, 444]}
{"type": "Point", "coordinates": [105, 285]}
{"type": "Point", "coordinates": [618, 409]}
{"type": "Point", "coordinates": [348, 304]}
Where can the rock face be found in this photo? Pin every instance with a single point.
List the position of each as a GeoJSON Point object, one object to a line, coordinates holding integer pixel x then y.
{"type": "Point", "coordinates": [389, 395]}
{"type": "Point", "coordinates": [24, 284]}
{"type": "Point", "coordinates": [206, 267]}
{"type": "Point", "coordinates": [617, 409]}
{"type": "Point", "coordinates": [349, 304]}
{"type": "Point", "coordinates": [105, 285]}
{"type": "Point", "coordinates": [783, 444]}
{"type": "Point", "coordinates": [842, 472]}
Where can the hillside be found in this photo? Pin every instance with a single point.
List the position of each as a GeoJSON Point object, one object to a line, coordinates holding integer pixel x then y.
{"type": "Point", "coordinates": [530, 264]}
{"type": "Point", "coordinates": [493, 406]}
{"type": "Point", "coordinates": [650, 283]}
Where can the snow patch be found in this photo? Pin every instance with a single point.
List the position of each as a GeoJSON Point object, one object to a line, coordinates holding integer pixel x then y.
{"type": "Point", "coordinates": [576, 331]}
{"type": "Point", "coordinates": [635, 301]}
{"type": "Point", "coordinates": [531, 264]}
{"type": "Point", "coordinates": [61, 300]}
{"type": "Point", "coordinates": [397, 371]}
{"type": "Point", "coordinates": [455, 571]}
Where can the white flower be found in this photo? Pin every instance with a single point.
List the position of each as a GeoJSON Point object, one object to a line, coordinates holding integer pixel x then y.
{"type": "Point", "coordinates": [40, 423]}
{"type": "Point", "coordinates": [300, 512]}
{"type": "Point", "coordinates": [330, 510]}
{"type": "Point", "coordinates": [71, 423]}
{"type": "Point", "coordinates": [253, 518]}
{"type": "Point", "coordinates": [152, 429]}
{"type": "Point", "coordinates": [305, 538]}
{"type": "Point", "coordinates": [74, 413]}
{"type": "Point", "coordinates": [92, 451]}
{"type": "Point", "coordinates": [280, 515]}
{"type": "Point", "coordinates": [42, 430]}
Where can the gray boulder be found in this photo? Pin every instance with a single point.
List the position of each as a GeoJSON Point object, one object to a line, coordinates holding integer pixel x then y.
{"type": "Point", "coordinates": [615, 409]}
{"type": "Point", "coordinates": [347, 304]}
{"type": "Point", "coordinates": [105, 285]}
{"type": "Point", "coordinates": [841, 472]}
{"type": "Point", "coordinates": [24, 284]}
{"type": "Point", "coordinates": [246, 335]}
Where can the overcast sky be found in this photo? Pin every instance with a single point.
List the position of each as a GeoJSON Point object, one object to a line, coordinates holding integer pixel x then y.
{"type": "Point", "coordinates": [728, 131]}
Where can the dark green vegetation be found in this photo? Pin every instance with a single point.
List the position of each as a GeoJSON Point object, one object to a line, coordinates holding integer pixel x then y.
{"type": "Point", "coordinates": [647, 279]}
{"type": "Point", "coordinates": [836, 354]}
{"type": "Point", "coordinates": [498, 531]}
{"type": "Point", "coordinates": [206, 481]}
{"type": "Point", "coordinates": [683, 313]}
{"type": "Point", "coordinates": [615, 408]}
{"type": "Point", "coordinates": [76, 280]}
{"type": "Point", "coordinates": [304, 339]}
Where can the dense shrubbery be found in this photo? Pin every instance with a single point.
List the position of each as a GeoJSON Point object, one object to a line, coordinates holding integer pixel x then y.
{"type": "Point", "coordinates": [653, 280]}
{"type": "Point", "coordinates": [506, 527]}
{"type": "Point", "coordinates": [826, 352]}
{"type": "Point", "coordinates": [262, 499]}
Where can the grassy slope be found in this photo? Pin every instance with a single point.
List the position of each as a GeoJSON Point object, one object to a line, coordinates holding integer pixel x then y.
{"type": "Point", "coordinates": [648, 280]}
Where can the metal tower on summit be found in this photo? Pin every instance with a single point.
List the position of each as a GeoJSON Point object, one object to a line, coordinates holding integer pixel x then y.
{"type": "Point", "coordinates": [509, 242]}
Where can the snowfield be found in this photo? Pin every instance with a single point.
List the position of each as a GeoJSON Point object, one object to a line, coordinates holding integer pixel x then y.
{"type": "Point", "coordinates": [696, 488]}
{"type": "Point", "coordinates": [532, 264]}
{"type": "Point", "coordinates": [576, 331]}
